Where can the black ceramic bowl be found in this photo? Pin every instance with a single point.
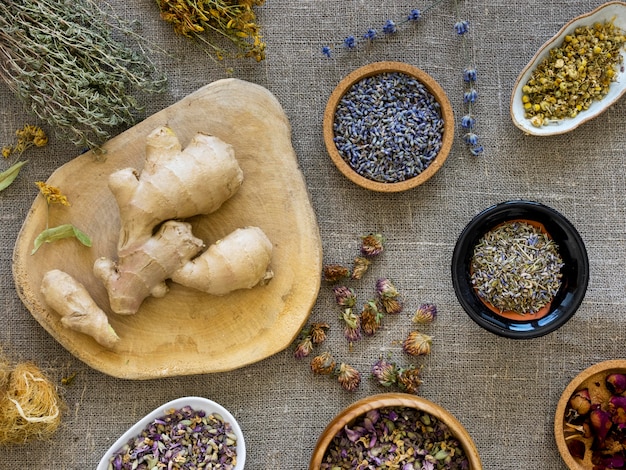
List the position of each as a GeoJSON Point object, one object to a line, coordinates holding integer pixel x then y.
{"type": "Point", "coordinates": [575, 272]}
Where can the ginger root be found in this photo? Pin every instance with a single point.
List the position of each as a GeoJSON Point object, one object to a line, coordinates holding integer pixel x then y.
{"type": "Point", "coordinates": [238, 261]}
{"type": "Point", "coordinates": [142, 272]}
{"type": "Point", "coordinates": [78, 311]}
{"type": "Point", "coordinates": [174, 184]}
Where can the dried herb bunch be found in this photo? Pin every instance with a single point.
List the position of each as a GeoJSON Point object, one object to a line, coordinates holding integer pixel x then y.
{"type": "Point", "coordinates": [64, 61]}
{"type": "Point", "coordinates": [234, 20]}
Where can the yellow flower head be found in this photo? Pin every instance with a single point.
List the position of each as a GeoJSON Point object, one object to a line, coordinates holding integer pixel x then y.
{"type": "Point", "coordinates": [52, 194]}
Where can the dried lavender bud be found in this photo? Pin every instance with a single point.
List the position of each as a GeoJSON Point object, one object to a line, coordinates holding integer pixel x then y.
{"type": "Point", "coordinates": [352, 326]}
{"type": "Point", "coordinates": [417, 344]}
{"type": "Point", "coordinates": [616, 383]}
{"type": "Point", "coordinates": [349, 378]}
{"type": "Point", "coordinates": [361, 265]}
{"type": "Point", "coordinates": [335, 273]}
{"type": "Point", "coordinates": [425, 313]}
{"type": "Point", "coordinates": [580, 402]}
{"type": "Point", "coordinates": [372, 245]}
{"type": "Point", "coordinates": [318, 332]}
{"type": "Point", "coordinates": [303, 348]}
{"type": "Point", "coordinates": [371, 318]}
{"type": "Point", "coordinates": [185, 435]}
{"type": "Point", "coordinates": [385, 372]}
{"type": "Point", "coordinates": [617, 409]}
{"type": "Point", "coordinates": [409, 379]}
{"type": "Point", "coordinates": [344, 296]}
{"type": "Point", "coordinates": [324, 364]}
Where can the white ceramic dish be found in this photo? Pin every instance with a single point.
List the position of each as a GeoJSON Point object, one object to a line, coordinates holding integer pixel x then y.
{"type": "Point", "coordinates": [197, 403]}
{"type": "Point", "coordinates": [612, 11]}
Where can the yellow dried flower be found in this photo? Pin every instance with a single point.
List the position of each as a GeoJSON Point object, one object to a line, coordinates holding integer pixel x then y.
{"type": "Point", "coordinates": [52, 194]}
{"type": "Point", "coordinates": [6, 152]}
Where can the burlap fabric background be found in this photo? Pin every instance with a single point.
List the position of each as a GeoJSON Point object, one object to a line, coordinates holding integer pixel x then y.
{"type": "Point", "coordinates": [503, 391]}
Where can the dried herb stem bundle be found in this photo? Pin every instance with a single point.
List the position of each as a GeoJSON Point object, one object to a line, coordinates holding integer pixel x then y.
{"type": "Point", "coordinates": [63, 60]}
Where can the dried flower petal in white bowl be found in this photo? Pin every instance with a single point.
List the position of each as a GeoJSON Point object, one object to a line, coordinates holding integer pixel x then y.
{"type": "Point", "coordinates": [575, 76]}
{"type": "Point", "coordinates": [189, 429]}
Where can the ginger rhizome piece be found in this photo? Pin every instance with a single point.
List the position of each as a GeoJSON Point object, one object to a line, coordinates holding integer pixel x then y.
{"type": "Point", "coordinates": [78, 311]}
{"type": "Point", "coordinates": [141, 272]}
{"type": "Point", "coordinates": [238, 261]}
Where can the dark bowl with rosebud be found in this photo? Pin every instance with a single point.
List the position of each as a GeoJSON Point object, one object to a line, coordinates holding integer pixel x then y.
{"type": "Point", "coordinates": [590, 418]}
{"type": "Point", "coordinates": [365, 420]}
{"type": "Point", "coordinates": [572, 272]}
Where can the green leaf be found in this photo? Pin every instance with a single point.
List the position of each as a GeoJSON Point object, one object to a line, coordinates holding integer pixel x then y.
{"type": "Point", "coordinates": [8, 176]}
{"type": "Point", "coordinates": [58, 233]}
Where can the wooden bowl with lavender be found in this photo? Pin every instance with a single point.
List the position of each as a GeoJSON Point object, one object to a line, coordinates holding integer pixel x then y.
{"type": "Point", "coordinates": [388, 126]}
{"type": "Point", "coordinates": [430, 434]}
{"type": "Point", "coordinates": [520, 269]}
{"type": "Point", "coordinates": [590, 418]}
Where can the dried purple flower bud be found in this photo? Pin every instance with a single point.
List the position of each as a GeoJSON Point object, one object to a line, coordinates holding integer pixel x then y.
{"type": "Point", "coordinates": [318, 332]}
{"type": "Point", "coordinates": [372, 244]}
{"type": "Point", "coordinates": [580, 402]}
{"type": "Point", "coordinates": [616, 383]}
{"type": "Point", "coordinates": [577, 448]}
{"type": "Point", "coordinates": [601, 423]}
{"type": "Point", "coordinates": [426, 313]}
{"type": "Point", "coordinates": [371, 318]}
{"type": "Point", "coordinates": [385, 372]}
{"type": "Point", "coordinates": [361, 264]}
{"type": "Point", "coordinates": [389, 296]}
{"type": "Point", "coordinates": [344, 296]}
{"type": "Point", "coordinates": [303, 348]}
{"type": "Point", "coordinates": [352, 326]}
{"type": "Point", "coordinates": [617, 409]}
{"type": "Point", "coordinates": [409, 379]}
{"type": "Point", "coordinates": [417, 344]}
{"type": "Point", "coordinates": [335, 272]}
{"type": "Point", "coordinates": [324, 364]}
{"type": "Point", "coordinates": [349, 378]}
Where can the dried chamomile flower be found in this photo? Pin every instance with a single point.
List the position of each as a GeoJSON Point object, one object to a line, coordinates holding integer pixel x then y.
{"type": "Point", "coordinates": [389, 296]}
{"type": "Point", "coordinates": [372, 245]}
{"type": "Point", "coordinates": [303, 348]}
{"type": "Point", "coordinates": [318, 332]}
{"type": "Point", "coordinates": [425, 313]}
{"type": "Point", "coordinates": [344, 296]}
{"type": "Point", "coordinates": [385, 372]}
{"type": "Point", "coordinates": [349, 378]}
{"type": "Point", "coordinates": [335, 273]}
{"type": "Point", "coordinates": [361, 264]}
{"type": "Point", "coordinates": [409, 379]}
{"type": "Point", "coordinates": [323, 364]}
{"type": "Point", "coordinates": [371, 318]}
{"type": "Point", "coordinates": [417, 344]}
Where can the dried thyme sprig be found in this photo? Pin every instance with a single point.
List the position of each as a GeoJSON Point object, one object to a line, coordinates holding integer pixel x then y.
{"type": "Point", "coordinates": [62, 59]}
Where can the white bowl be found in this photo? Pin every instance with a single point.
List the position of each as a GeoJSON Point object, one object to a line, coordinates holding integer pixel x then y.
{"type": "Point", "coordinates": [197, 403]}
{"type": "Point", "coordinates": [612, 11]}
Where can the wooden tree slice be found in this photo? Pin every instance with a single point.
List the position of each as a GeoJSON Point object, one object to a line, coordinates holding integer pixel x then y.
{"type": "Point", "coordinates": [187, 331]}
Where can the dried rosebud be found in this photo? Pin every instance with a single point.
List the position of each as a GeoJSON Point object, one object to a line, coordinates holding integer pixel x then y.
{"type": "Point", "coordinates": [335, 272]}
{"type": "Point", "coordinates": [344, 296]}
{"type": "Point", "coordinates": [617, 408]}
{"type": "Point", "coordinates": [349, 378]}
{"type": "Point", "coordinates": [616, 383]}
{"type": "Point", "coordinates": [361, 265]}
{"type": "Point", "coordinates": [417, 344]}
{"type": "Point", "coordinates": [576, 447]}
{"type": "Point", "coordinates": [324, 364]}
{"type": "Point", "coordinates": [580, 402]}
{"type": "Point", "coordinates": [409, 379]}
{"type": "Point", "coordinates": [352, 326]}
{"type": "Point", "coordinates": [372, 244]}
{"type": "Point", "coordinates": [318, 332]}
{"type": "Point", "coordinates": [425, 313]}
{"type": "Point", "coordinates": [303, 348]}
{"type": "Point", "coordinates": [371, 318]}
{"type": "Point", "coordinates": [385, 372]}
{"type": "Point", "coordinates": [601, 424]}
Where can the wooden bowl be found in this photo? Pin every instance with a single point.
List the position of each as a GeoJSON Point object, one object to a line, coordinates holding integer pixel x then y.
{"type": "Point", "coordinates": [197, 404]}
{"type": "Point", "coordinates": [386, 400]}
{"type": "Point", "coordinates": [592, 378]}
{"type": "Point", "coordinates": [187, 331]}
{"type": "Point", "coordinates": [611, 11]}
{"type": "Point", "coordinates": [375, 69]}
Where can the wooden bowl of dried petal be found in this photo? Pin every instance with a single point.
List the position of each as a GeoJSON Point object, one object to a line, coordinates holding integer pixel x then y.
{"type": "Point", "coordinates": [388, 126]}
{"type": "Point", "coordinates": [576, 419]}
{"type": "Point", "coordinates": [366, 421]}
